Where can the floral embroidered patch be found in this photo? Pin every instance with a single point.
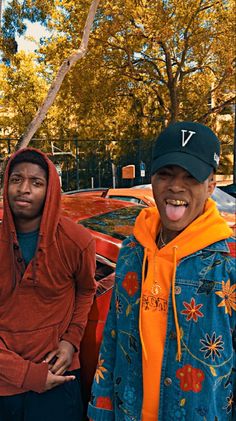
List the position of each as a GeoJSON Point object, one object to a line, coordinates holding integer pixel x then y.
{"type": "Point", "coordinates": [104, 402]}
{"type": "Point", "coordinates": [192, 310]}
{"type": "Point", "coordinates": [191, 378]}
{"type": "Point", "coordinates": [132, 244]}
{"type": "Point", "coordinates": [118, 305]}
{"type": "Point", "coordinates": [100, 370]}
{"type": "Point", "coordinates": [228, 294]}
{"type": "Point", "coordinates": [212, 346]}
{"type": "Point", "coordinates": [130, 283]}
{"type": "Point", "coordinates": [232, 249]}
{"type": "Point", "coordinates": [229, 405]}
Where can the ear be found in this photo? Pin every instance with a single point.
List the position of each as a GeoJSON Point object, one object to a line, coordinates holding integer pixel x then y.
{"type": "Point", "coordinates": [211, 184]}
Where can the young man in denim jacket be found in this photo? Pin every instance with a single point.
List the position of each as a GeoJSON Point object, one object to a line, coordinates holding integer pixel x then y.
{"type": "Point", "coordinates": [168, 351]}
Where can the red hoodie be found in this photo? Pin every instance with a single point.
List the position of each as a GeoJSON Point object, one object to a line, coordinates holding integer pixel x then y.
{"type": "Point", "coordinates": [47, 301]}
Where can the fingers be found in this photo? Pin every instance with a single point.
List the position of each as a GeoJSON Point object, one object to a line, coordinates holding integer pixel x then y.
{"type": "Point", "coordinates": [51, 356]}
{"type": "Point", "coordinates": [60, 365]}
{"type": "Point", "coordinates": [53, 380]}
{"type": "Point", "coordinates": [67, 378]}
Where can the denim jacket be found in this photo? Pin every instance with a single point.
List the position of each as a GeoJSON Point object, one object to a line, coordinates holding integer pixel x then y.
{"type": "Point", "coordinates": [201, 386]}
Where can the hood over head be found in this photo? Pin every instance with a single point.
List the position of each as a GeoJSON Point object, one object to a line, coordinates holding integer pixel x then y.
{"type": "Point", "coordinates": [51, 210]}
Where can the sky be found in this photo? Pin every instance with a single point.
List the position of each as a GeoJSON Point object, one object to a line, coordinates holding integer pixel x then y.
{"type": "Point", "coordinates": [34, 30]}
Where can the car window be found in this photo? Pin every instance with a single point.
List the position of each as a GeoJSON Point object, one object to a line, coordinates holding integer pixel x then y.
{"type": "Point", "coordinates": [224, 201]}
{"type": "Point", "coordinates": [126, 198]}
{"type": "Point", "coordinates": [118, 224]}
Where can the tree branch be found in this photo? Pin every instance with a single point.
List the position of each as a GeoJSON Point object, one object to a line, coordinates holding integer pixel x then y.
{"type": "Point", "coordinates": [217, 108]}
{"type": "Point", "coordinates": [56, 84]}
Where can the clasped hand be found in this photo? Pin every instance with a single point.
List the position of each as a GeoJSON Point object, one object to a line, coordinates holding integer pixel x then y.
{"type": "Point", "coordinates": [59, 360]}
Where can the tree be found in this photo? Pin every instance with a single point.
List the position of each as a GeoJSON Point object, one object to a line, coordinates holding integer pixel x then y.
{"type": "Point", "coordinates": [150, 62]}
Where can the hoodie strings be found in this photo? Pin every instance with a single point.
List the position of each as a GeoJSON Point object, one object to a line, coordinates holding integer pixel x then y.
{"type": "Point", "coordinates": [140, 310]}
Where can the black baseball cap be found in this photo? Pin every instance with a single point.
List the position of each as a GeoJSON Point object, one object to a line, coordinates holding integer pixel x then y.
{"type": "Point", "coordinates": [192, 146]}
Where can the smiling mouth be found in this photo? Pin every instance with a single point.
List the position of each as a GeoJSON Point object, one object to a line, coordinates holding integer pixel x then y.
{"type": "Point", "coordinates": [175, 209]}
{"type": "Point", "coordinates": [174, 202]}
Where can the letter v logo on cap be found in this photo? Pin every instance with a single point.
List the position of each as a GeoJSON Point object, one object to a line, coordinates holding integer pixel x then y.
{"type": "Point", "coordinates": [184, 139]}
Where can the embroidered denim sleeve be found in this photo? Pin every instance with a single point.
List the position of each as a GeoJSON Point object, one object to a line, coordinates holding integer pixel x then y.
{"type": "Point", "coordinates": [101, 404]}
{"type": "Point", "coordinates": [111, 398]}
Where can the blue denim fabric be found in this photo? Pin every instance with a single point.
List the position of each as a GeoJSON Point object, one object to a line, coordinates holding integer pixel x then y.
{"type": "Point", "coordinates": [200, 386]}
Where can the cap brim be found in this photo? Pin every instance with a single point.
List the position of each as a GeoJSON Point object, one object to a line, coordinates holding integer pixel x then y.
{"type": "Point", "coordinates": [197, 168]}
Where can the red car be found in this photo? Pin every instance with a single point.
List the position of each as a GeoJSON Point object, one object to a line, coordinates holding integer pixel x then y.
{"type": "Point", "coordinates": [110, 222]}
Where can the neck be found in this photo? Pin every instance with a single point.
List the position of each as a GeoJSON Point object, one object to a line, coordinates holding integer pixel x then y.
{"type": "Point", "coordinates": [165, 236]}
{"type": "Point", "coordinates": [24, 225]}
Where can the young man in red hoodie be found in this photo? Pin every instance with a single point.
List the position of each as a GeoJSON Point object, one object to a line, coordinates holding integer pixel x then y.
{"type": "Point", "coordinates": [46, 290]}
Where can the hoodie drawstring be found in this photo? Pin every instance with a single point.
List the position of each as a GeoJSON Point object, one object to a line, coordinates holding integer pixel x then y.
{"type": "Point", "coordinates": [140, 309]}
{"type": "Point", "coordinates": [178, 333]}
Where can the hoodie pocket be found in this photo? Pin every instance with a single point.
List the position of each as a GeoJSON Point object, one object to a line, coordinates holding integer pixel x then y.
{"type": "Point", "coordinates": [32, 345]}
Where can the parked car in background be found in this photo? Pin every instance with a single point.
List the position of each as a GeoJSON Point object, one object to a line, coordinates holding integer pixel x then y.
{"type": "Point", "coordinates": [110, 222]}
{"type": "Point", "coordinates": [143, 194]}
{"type": "Point", "coordinates": [230, 189]}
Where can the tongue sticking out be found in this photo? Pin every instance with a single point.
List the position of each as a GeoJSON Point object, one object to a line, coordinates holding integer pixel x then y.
{"type": "Point", "coordinates": [174, 213]}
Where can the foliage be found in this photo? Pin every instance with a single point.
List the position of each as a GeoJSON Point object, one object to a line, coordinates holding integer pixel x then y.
{"type": "Point", "coordinates": [149, 62]}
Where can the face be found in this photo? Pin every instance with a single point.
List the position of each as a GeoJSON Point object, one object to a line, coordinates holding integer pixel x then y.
{"type": "Point", "coordinates": [179, 197]}
{"type": "Point", "coordinates": [27, 187]}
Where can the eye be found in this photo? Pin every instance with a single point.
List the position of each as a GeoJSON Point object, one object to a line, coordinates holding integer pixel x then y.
{"type": "Point", "coordinates": [37, 183]}
{"type": "Point", "coordinates": [164, 174]}
{"type": "Point", "coordinates": [15, 179]}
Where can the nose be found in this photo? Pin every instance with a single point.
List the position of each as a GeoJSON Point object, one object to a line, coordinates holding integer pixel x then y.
{"type": "Point", "coordinates": [24, 186]}
{"type": "Point", "coordinates": [176, 185]}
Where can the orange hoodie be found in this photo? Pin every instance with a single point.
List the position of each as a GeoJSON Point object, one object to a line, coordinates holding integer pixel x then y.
{"type": "Point", "coordinates": [46, 301]}
{"type": "Point", "coordinates": [157, 284]}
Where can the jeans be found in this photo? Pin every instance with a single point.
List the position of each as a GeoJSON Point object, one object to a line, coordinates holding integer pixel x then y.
{"type": "Point", "coordinates": [62, 403]}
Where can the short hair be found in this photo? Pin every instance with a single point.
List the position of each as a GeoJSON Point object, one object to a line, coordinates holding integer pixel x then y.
{"type": "Point", "coordinates": [29, 156]}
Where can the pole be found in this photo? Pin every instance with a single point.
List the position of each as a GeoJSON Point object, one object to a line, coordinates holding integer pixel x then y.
{"type": "Point", "coordinates": [113, 168]}
{"type": "Point", "coordinates": [76, 162]}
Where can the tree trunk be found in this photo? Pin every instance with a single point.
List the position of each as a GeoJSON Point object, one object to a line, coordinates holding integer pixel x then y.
{"type": "Point", "coordinates": [56, 84]}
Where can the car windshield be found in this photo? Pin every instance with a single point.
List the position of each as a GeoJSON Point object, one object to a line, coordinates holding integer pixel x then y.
{"type": "Point", "coordinates": [225, 202]}
{"type": "Point", "coordinates": [117, 224]}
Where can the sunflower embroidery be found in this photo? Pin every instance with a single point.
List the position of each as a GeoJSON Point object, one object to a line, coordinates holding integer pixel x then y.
{"type": "Point", "coordinates": [212, 346]}
{"type": "Point", "coordinates": [118, 305]}
{"type": "Point", "coordinates": [192, 310]}
{"type": "Point", "coordinates": [229, 297]}
{"type": "Point", "coordinates": [100, 370]}
{"type": "Point", "coordinates": [229, 404]}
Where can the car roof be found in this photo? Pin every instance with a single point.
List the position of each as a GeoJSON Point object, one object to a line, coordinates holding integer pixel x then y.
{"type": "Point", "coordinates": [144, 194]}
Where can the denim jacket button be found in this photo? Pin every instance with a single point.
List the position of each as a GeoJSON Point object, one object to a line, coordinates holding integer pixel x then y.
{"type": "Point", "coordinates": [167, 381]}
{"type": "Point", "coordinates": [177, 290]}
